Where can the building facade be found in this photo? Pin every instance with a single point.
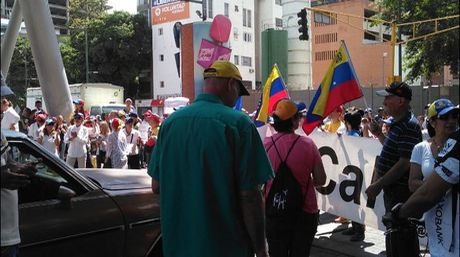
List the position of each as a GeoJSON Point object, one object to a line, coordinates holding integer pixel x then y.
{"type": "Point", "coordinates": [168, 15]}
{"type": "Point", "coordinates": [368, 45]}
{"type": "Point", "coordinates": [59, 13]}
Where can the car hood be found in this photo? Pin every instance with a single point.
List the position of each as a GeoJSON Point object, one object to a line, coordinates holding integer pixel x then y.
{"type": "Point", "coordinates": [118, 179]}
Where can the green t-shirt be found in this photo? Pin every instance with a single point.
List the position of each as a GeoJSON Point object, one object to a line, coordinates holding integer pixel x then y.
{"type": "Point", "coordinates": [205, 154]}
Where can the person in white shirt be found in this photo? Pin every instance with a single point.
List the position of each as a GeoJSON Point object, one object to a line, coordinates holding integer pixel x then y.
{"type": "Point", "coordinates": [10, 117]}
{"type": "Point", "coordinates": [77, 137]}
{"type": "Point", "coordinates": [49, 138]}
{"type": "Point", "coordinates": [134, 141]}
{"type": "Point", "coordinates": [37, 126]}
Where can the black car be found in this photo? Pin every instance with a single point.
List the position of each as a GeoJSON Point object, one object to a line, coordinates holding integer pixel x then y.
{"type": "Point", "coordinates": [84, 212]}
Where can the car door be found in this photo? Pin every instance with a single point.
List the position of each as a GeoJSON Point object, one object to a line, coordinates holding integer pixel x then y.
{"type": "Point", "coordinates": [62, 214]}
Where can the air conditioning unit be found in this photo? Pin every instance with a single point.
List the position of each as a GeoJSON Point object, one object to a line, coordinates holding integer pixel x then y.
{"type": "Point", "coordinates": [251, 70]}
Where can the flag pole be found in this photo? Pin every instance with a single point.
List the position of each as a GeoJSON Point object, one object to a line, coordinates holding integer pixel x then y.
{"type": "Point", "coordinates": [281, 76]}
{"type": "Point", "coordinates": [353, 70]}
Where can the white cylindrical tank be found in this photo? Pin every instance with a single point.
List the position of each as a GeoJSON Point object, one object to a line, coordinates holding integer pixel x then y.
{"type": "Point", "coordinates": [299, 75]}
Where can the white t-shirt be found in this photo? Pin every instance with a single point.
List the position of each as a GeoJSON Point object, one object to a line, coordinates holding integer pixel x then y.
{"type": "Point", "coordinates": [48, 143]}
{"type": "Point", "coordinates": [422, 155]}
{"type": "Point", "coordinates": [34, 130]}
{"type": "Point", "coordinates": [10, 116]}
{"type": "Point", "coordinates": [132, 148]}
{"type": "Point", "coordinates": [77, 146]}
{"type": "Point", "coordinates": [9, 211]}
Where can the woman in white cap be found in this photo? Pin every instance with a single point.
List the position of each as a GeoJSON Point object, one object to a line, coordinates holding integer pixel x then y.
{"type": "Point", "coordinates": [442, 121]}
{"type": "Point", "coordinates": [49, 138]}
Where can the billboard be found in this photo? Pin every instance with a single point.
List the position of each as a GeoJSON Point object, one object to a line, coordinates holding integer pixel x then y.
{"type": "Point", "coordinates": [176, 10]}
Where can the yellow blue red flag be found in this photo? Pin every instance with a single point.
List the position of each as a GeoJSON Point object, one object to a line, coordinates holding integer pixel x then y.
{"type": "Point", "coordinates": [274, 90]}
{"type": "Point", "coordinates": [340, 85]}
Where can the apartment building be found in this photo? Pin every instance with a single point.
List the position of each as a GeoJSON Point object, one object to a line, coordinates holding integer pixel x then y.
{"type": "Point", "coordinates": [368, 44]}
{"type": "Point", "coordinates": [59, 13]}
{"type": "Point", "coordinates": [168, 15]}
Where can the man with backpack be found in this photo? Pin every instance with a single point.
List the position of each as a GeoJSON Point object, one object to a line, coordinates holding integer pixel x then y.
{"type": "Point", "coordinates": [291, 207]}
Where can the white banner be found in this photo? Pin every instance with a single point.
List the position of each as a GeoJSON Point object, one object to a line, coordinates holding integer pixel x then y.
{"type": "Point", "coordinates": [349, 164]}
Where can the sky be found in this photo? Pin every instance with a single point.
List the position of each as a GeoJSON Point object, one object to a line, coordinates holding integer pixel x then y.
{"type": "Point", "coordinates": [124, 5]}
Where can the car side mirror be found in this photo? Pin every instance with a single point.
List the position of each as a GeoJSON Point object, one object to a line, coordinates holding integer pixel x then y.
{"type": "Point", "coordinates": [65, 194]}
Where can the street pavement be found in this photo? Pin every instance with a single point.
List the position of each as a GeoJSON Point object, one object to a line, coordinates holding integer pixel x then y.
{"type": "Point", "coordinates": [329, 241]}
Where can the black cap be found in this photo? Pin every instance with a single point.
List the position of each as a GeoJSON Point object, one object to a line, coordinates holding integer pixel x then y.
{"type": "Point", "coordinates": [400, 89]}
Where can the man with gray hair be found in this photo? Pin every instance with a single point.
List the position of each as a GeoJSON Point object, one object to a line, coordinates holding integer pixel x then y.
{"type": "Point", "coordinates": [209, 164]}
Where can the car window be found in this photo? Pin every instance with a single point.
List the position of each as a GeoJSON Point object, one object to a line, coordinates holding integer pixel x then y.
{"type": "Point", "coordinates": [108, 109]}
{"type": "Point", "coordinates": [95, 110]}
{"type": "Point", "coordinates": [46, 182]}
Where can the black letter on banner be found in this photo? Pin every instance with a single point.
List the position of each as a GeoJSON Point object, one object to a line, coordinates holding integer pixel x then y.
{"type": "Point", "coordinates": [326, 150]}
{"type": "Point", "coordinates": [356, 184]}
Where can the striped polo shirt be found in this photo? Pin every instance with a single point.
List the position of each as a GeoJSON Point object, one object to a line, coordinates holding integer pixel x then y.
{"type": "Point", "coordinates": [400, 140]}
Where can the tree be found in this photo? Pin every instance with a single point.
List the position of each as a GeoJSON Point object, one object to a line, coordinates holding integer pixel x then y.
{"type": "Point", "coordinates": [22, 73]}
{"type": "Point", "coordinates": [82, 10]}
{"type": "Point", "coordinates": [119, 46]}
{"type": "Point", "coordinates": [430, 55]}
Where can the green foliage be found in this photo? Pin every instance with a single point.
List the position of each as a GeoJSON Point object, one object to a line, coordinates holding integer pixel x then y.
{"type": "Point", "coordinates": [429, 55]}
{"type": "Point", "coordinates": [22, 73]}
{"type": "Point", "coordinates": [119, 47]}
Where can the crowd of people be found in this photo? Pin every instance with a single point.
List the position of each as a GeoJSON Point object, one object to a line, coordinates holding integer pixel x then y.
{"type": "Point", "coordinates": [110, 140]}
{"type": "Point", "coordinates": [226, 192]}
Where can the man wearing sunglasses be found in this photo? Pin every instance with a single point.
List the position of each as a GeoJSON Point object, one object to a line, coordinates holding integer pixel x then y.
{"type": "Point", "coordinates": [392, 169]}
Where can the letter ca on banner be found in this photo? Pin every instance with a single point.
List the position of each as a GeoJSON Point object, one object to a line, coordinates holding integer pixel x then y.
{"type": "Point", "coordinates": [349, 163]}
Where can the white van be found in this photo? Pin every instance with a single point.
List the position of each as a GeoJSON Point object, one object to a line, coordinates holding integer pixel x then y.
{"type": "Point", "coordinates": [106, 108]}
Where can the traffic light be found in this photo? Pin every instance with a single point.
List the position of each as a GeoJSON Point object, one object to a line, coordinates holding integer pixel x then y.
{"type": "Point", "coordinates": [303, 22]}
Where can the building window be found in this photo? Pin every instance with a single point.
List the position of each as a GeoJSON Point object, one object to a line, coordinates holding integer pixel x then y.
{"type": "Point", "coordinates": [325, 19]}
{"type": "Point", "coordinates": [247, 37]}
{"type": "Point", "coordinates": [249, 18]}
{"type": "Point", "coordinates": [236, 60]}
{"type": "Point", "coordinates": [160, 31]}
{"type": "Point", "coordinates": [226, 9]}
{"type": "Point", "coordinates": [210, 14]}
{"type": "Point", "coordinates": [279, 22]}
{"type": "Point", "coordinates": [246, 61]}
{"type": "Point", "coordinates": [162, 84]}
{"type": "Point", "coordinates": [278, 2]}
{"type": "Point", "coordinates": [162, 57]}
{"type": "Point", "coordinates": [236, 8]}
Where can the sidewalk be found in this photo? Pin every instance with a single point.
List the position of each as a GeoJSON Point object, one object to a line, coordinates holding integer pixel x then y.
{"type": "Point", "coordinates": [329, 241]}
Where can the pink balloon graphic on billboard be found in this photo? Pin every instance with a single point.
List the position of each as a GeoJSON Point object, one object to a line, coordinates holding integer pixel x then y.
{"type": "Point", "coordinates": [210, 52]}
{"type": "Point", "coordinates": [220, 28]}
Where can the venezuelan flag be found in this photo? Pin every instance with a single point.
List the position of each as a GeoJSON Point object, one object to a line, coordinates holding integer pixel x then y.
{"type": "Point", "coordinates": [274, 90]}
{"type": "Point", "coordinates": [340, 85]}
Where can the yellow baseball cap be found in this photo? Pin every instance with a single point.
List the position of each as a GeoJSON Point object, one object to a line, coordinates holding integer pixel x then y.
{"type": "Point", "coordinates": [225, 69]}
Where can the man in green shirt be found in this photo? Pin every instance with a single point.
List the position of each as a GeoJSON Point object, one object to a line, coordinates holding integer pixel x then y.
{"type": "Point", "coordinates": [209, 164]}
